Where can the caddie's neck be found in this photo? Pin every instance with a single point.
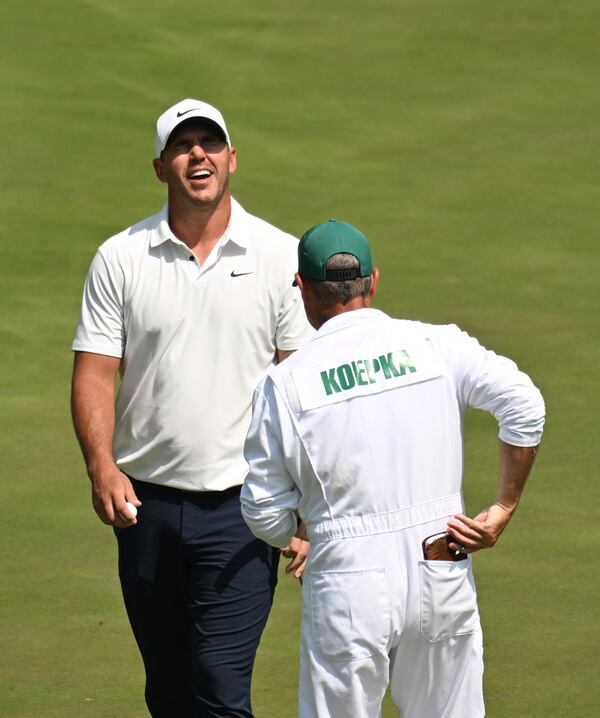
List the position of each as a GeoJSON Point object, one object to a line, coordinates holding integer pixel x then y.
{"type": "Point", "coordinates": [327, 313]}
{"type": "Point", "coordinates": [318, 313]}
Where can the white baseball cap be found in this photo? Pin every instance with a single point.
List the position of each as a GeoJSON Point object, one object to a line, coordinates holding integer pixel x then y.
{"type": "Point", "coordinates": [182, 111]}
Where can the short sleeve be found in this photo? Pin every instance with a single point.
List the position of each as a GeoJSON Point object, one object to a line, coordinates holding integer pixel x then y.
{"type": "Point", "coordinates": [293, 328]}
{"type": "Point", "coordinates": [101, 327]}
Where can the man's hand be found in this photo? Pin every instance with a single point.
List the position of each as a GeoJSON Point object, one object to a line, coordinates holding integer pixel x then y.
{"type": "Point", "coordinates": [297, 550]}
{"type": "Point", "coordinates": [93, 406]}
{"type": "Point", "coordinates": [483, 531]}
{"type": "Point", "coordinates": [111, 489]}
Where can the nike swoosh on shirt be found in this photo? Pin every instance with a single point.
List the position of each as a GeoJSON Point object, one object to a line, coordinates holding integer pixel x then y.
{"type": "Point", "coordinates": [239, 274]}
{"type": "Point", "coordinates": [181, 114]}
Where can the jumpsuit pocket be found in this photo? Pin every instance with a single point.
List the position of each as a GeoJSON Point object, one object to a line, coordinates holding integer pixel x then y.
{"type": "Point", "coordinates": [448, 600]}
{"type": "Point", "coordinates": [350, 613]}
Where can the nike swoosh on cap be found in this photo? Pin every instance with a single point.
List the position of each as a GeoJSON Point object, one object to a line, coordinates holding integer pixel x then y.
{"type": "Point", "coordinates": [181, 114]}
{"type": "Point", "coordinates": [239, 274]}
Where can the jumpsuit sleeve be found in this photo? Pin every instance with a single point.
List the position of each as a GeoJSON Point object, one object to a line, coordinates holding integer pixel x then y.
{"type": "Point", "coordinates": [486, 380]}
{"type": "Point", "coordinates": [269, 495]}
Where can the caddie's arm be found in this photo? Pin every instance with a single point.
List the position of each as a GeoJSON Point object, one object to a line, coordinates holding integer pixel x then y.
{"type": "Point", "coordinates": [93, 410]}
{"type": "Point", "coordinates": [484, 530]}
{"type": "Point", "coordinates": [488, 381]}
{"type": "Point", "coordinates": [269, 495]}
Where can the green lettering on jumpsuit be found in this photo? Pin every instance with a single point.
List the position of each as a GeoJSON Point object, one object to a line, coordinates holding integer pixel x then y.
{"type": "Point", "coordinates": [364, 371]}
{"type": "Point", "coordinates": [345, 376]}
{"type": "Point", "coordinates": [405, 362]}
{"type": "Point", "coordinates": [329, 382]}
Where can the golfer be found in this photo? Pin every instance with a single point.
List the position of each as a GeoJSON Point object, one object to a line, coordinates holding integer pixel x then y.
{"type": "Point", "coordinates": [190, 307]}
{"type": "Point", "coordinates": [359, 434]}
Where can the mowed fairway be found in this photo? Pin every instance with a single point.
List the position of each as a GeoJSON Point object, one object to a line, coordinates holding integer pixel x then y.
{"type": "Point", "coordinates": [462, 137]}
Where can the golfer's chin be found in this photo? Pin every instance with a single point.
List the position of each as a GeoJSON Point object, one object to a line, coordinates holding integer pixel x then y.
{"type": "Point", "coordinates": [205, 198]}
{"type": "Point", "coordinates": [209, 195]}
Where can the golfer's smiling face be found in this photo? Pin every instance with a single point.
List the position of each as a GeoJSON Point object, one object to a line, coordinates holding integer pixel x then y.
{"type": "Point", "coordinates": [196, 164]}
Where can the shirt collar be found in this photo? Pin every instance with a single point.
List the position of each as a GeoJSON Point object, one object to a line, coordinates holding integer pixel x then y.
{"type": "Point", "coordinates": [235, 232]}
{"type": "Point", "coordinates": [161, 231]}
{"type": "Point", "coordinates": [236, 229]}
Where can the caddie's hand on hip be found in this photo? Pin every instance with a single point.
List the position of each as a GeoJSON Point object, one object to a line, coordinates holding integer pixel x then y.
{"type": "Point", "coordinates": [111, 490]}
{"type": "Point", "coordinates": [469, 535]}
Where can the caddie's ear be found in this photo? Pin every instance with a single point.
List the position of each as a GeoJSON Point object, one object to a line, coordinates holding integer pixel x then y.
{"type": "Point", "coordinates": [312, 305]}
{"type": "Point", "coordinates": [297, 281]}
{"type": "Point", "coordinates": [374, 280]}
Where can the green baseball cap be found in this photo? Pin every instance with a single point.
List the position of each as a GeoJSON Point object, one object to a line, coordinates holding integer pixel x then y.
{"type": "Point", "coordinates": [322, 241]}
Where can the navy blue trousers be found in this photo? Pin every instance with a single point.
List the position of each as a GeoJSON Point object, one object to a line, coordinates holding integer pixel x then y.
{"type": "Point", "coordinates": [198, 588]}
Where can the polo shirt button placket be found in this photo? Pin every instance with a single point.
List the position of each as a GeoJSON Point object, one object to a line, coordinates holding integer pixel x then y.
{"type": "Point", "coordinates": [198, 272]}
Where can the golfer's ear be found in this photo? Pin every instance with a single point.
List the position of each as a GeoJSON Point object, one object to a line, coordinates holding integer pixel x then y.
{"type": "Point", "coordinates": [232, 160]}
{"type": "Point", "coordinates": [158, 169]}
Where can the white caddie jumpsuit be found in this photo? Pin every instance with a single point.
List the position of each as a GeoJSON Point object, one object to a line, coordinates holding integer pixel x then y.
{"type": "Point", "coordinates": [360, 432]}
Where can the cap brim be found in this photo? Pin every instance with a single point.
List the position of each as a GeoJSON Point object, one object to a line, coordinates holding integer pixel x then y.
{"type": "Point", "coordinates": [199, 118]}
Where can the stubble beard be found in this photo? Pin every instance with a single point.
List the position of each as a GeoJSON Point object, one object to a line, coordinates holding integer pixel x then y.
{"type": "Point", "coordinates": [204, 205]}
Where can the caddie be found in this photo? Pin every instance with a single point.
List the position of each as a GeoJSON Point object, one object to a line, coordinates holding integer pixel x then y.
{"type": "Point", "coordinates": [359, 434]}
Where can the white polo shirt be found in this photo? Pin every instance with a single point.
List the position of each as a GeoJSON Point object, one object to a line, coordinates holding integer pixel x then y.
{"type": "Point", "coordinates": [366, 421]}
{"type": "Point", "coordinates": [194, 342]}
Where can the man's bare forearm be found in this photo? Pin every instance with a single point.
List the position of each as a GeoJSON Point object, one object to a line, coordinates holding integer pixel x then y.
{"type": "Point", "coordinates": [484, 530]}
{"type": "Point", "coordinates": [92, 405]}
{"type": "Point", "coordinates": [515, 466]}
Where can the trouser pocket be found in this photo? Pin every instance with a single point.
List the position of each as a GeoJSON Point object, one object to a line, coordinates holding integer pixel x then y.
{"type": "Point", "coordinates": [448, 600]}
{"type": "Point", "coordinates": [350, 613]}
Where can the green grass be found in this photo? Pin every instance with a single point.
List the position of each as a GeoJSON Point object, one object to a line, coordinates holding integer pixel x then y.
{"type": "Point", "coordinates": [462, 137]}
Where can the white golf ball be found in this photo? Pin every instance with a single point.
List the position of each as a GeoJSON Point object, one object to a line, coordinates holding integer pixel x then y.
{"type": "Point", "coordinates": [132, 508]}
